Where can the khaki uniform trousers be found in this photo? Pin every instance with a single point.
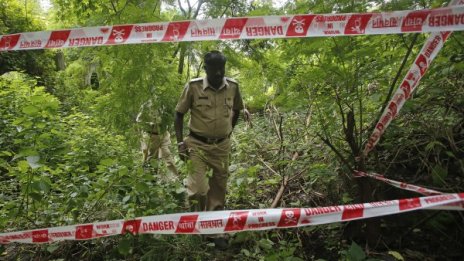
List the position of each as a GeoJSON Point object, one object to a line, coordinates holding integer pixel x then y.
{"type": "Point", "coordinates": [157, 146]}
{"type": "Point", "coordinates": [209, 191]}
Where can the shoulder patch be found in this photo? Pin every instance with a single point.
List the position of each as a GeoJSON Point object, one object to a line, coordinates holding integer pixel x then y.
{"type": "Point", "coordinates": [196, 79]}
{"type": "Point", "coordinates": [231, 80]}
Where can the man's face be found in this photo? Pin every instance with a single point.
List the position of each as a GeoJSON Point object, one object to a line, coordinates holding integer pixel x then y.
{"type": "Point", "coordinates": [215, 72]}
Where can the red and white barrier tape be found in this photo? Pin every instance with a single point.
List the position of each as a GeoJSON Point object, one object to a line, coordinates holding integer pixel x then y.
{"type": "Point", "coordinates": [410, 187]}
{"type": "Point", "coordinates": [399, 184]}
{"type": "Point", "coordinates": [288, 26]}
{"type": "Point", "coordinates": [230, 221]}
{"type": "Point", "coordinates": [423, 61]}
{"type": "Point", "coordinates": [444, 19]}
{"type": "Point", "coordinates": [430, 49]}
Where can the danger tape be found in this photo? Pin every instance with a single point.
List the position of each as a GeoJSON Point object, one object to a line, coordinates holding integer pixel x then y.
{"type": "Point", "coordinates": [215, 222]}
{"type": "Point", "coordinates": [399, 184]}
{"type": "Point", "coordinates": [413, 188]}
{"type": "Point", "coordinates": [263, 27]}
{"type": "Point", "coordinates": [421, 64]}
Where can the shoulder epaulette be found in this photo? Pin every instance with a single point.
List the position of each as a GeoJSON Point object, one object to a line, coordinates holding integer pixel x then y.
{"type": "Point", "coordinates": [196, 79]}
{"type": "Point", "coordinates": [231, 80]}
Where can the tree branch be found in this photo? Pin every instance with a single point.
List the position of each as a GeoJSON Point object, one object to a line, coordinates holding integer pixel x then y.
{"type": "Point", "coordinates": [114, 7]}
{"type": "Point", "coordinates": [182, 8]}
{"type": "Point", "coordinates": [124, 7]}
{"type": "Point", "coordinates": [269, 167]}
{"type": "Point", "coordinates": [280, 192]}
{"type": "Point", "coordinates": [395, 80]}
{"type": "Point", "coordinates": [199, 69]}
{"type": "Point", "coordinates": [200, 3]}
{"type": "Point", "coordinates": [339, 103]}
{"type": "Point", "coordinates": [284, 184]}
{"type": "Point", "coordinates": [225, 10]}
{"type": "Point", "coordinates": [156, 7]}
{"type": "Point", "coordinates": [189, 8]}
{"type": "Point", "coordinates": [344, 161]}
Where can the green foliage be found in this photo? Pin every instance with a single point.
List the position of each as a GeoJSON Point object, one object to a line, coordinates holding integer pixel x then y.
{"type": "Point", "coordinates": [355, 253]}
{"type": "Point", "coordinates": [66, 166]}
{"type": "Point", "coordinates": [69, 151]}
{"type": "Point", "coordinates": [16, 17]}
{"type": "Point", "coordinates": [266, 246]}
{"type": "Point", "coordinates": [135, 77]}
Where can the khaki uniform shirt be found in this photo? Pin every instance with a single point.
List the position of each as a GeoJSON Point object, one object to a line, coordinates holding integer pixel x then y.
{"type": "Point", "coordinates": [210, 109]}
{"type": "Point", "coordinates": [148, 119]}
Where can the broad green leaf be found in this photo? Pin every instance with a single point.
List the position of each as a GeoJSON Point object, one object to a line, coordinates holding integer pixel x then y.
{"type": "Point", "coordinates": [41, 185]}
{"type": "Point", "coordinates": [35, 196]}
{"type": "Point", "coordinates": [53, 104]}
{"type": "Point", "coordinates": [126, 198]}
{"type": "Point", "coordinates": [107, 162]}
{"type": "Point", "coordinates": [45, 185]}
{"type": "Point", "coordinates": [356, 253]}
{"type": "Point", "coordinates": [41, 125]}
{"type": "Point", "coordinates": [124, 246]}
{"type": "Point", "coordinates": [23, 166]}
{"type": "Point", "coordinates": [450, 154]}
{"type": "Point", "coordinates": [44, 137]}
{"type": "Point", "coordinates": [241, 237]}
{"type": "Point", "coordinates": [123, 171]}
{"type": "Point", "coordinates": [38, 99]}
{"type": "Point", "coordinates": [397, 255]}
{"type": "Point", "coordinates": [30, 110]}
{"type": "Point", "coordinates": [439, 174]}
{"type": "Point", "coordinates": [245, 252]}
{"type": "Point", "coordinates": [265, 243]}
{"type": "Point", "coordinates": [141, 187]}
{"type": "Point", "coordinates": [52, 247]}
{"type": "Point", "coordinates": [346, 198]}
{"type": "Point", "coordinates": [33, 161]}
{"type": "Point", "coordinates": [27, 152]}
{"type": "Point", "coordinates": [5, 153]}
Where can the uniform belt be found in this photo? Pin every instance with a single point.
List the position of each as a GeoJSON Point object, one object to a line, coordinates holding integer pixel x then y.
{"type": "Point", "coordinates": [205, 139]}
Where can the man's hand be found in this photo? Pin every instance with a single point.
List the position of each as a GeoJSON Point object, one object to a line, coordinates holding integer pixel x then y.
{"type": "Point", "coordinates": [247, 118]}
{"type": "Point", "coordinates": [246, 115]}
{"type": "Point", "coordinates": [181, 146]}
{"type": "Point", "coordinates": [183, 151]}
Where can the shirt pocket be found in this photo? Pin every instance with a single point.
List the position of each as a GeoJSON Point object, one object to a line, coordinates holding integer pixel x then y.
{"type": "Point", "coordinates": [204, 107]}
{"type": "Point", "coordinates": [202, 103]}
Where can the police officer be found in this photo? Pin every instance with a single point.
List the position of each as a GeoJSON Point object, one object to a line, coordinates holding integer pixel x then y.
{"type": "Point", "coordinates": [155, 145]}
{"type": "Point", "coordinates": [214, 103]}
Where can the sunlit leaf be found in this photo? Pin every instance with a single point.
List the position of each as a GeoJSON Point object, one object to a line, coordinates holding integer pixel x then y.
{"type": "Point", "coordinates": [396, 255]}
{"type": "Point", "coordinates": [30, 110]}
{"type": "Point", "coordinates": [33, 161]}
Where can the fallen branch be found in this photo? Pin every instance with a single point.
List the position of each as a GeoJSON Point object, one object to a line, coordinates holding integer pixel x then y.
{"type": "Point", "coordinates": [280, 192]}
{"type": "Point", "coordinates": [284, 184]}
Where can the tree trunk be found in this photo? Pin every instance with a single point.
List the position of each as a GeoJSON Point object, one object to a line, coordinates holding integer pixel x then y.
{"type": "Point", "coordinates": [183, 50]}
{"type": "Point", "coordinates": [59, 61]}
